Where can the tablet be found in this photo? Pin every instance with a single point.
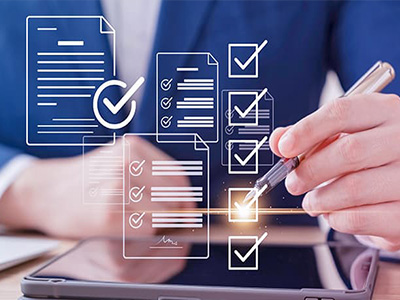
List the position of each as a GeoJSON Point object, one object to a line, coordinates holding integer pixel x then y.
{"type": "Point", "coordinates": [95, 268]}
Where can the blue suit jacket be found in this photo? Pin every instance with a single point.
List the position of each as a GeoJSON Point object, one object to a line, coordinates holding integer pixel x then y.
{"type": "Point", "coordinates": [305, 40]}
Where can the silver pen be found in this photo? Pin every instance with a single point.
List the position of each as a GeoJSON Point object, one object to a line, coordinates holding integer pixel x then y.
{"type": "Point", "coordinates": [374, 80]}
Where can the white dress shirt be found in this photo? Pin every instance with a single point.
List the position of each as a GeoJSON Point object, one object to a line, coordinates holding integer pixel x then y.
{"type": "Point", "coordinates": [135, 23]}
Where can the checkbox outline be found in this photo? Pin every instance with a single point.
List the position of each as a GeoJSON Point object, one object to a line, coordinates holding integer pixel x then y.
{"type": "Point", "coordinates": [230, 164]}
{"type": "Point", "coordinates": [236, 268]}
{"type": "Point", "coordinates": [253, 104]}
{"type": "Point", "coordinates": [230, 60]}
{"type": "Point", "coordinates": [231, 112]}
{"type": "Point", "coordinates": [230, 207]}
{"type": "Point", "coordinates": [257, 148]}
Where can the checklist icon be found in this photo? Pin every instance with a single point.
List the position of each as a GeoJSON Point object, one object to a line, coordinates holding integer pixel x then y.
{"type": "Point", "coordinates": [162, 192]}
{"type": "Point", "coordinates": [243, 252]}
{"type": "Point", "coordinates": [243, 59]}
{"type": "Point", "coordinates": [239, 211]}
{"type": "Point", "coordinates": [189, 83]}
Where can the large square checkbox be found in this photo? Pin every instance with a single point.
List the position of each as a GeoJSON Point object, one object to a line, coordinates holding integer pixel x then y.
{"type": "Point", "coordinates": [242, 63]}
{"type": "Point", "coordinates": [242, 253]}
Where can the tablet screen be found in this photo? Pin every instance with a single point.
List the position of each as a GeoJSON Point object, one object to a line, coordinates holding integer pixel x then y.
{"type": "Point", "coordinates": [327, 266]}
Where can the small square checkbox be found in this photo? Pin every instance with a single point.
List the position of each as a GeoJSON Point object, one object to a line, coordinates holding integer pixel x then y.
{"type": "Point", "coordinates": [239, 211]}
{"type": "Point", "coordinates": [242, 108]}
{"type": "Point", "coordinates": [242, 63]}
{"type": "Point", "coordinates": [242, 255]}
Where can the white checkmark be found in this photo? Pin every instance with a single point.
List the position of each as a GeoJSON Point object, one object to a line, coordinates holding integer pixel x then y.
{"type": "Point", "coordinates": [93, 192]}
{"type": "Point", "coordinates": [135, 220]}
{"type": "Point", "coordinates": [166, 84]}
{"type": "Point", "coordinates": [166, 102]}
{"type": "Point", "coordinates": [251, 154]}
{"type": "Point", "coordinates": [252, 249]}
{"type": "Point", "coordinates": [136, 171]}
{"type": "Point", "coordinates": [166, 121]}
{"type": "Point", "coordinates": [252, 104]}
{"type": "Point", "coordinates": [136, 196]}
{"type": "Point", "coordinates": [116, 108]}
{"type": "Point", "coordinates": [253, 200]}
{"type": "Point", "coordinates": [138, 192]}
{"type": "Point", "coordinates": [251, 58]}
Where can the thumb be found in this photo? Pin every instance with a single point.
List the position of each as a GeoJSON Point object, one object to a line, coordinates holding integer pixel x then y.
{"type": "Point", "coordinates": [275, 137]}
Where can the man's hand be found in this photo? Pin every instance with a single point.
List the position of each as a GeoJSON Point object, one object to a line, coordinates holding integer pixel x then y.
{"type": "Point", "coordinates": [48, 197]}
{"type": "Point", "coordinates": [358, 162]}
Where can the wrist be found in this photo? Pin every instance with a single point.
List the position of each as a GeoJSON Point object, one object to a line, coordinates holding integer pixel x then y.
{"type": "Point", "coordinates": [15, 202]}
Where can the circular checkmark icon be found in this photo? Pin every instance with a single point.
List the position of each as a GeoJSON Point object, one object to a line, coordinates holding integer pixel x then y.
{"type": "Point", "coordinates": [229, 130]}
{"type": "Point", "coordinates": [166, 102]}
{"type": "Point", "coordinates": [136, 194]}
{"type": "Point", "coordinates": [229, 145]}
{"type": "Point", "coordinates": [166, 121]}
{"type": "Point", "coordinates": [136, 220]}
{"type": "Point", "coordinates": [136, 168]}
{"type": "Point", "coordinates": [114, 109]}
{"type": "Point", "coordinates": [166, 84]}
{"type": "Point", "coordinates": [93, 192]}
{"type": "Point", "coordinates": [229, 114]}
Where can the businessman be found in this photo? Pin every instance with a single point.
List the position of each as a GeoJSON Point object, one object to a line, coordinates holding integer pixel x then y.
{"type": "Point", "coordinates": [359, 162]}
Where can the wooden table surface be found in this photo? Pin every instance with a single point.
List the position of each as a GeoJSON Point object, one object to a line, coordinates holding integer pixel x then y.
{"type": "Point", "coordinates": [387, 286]}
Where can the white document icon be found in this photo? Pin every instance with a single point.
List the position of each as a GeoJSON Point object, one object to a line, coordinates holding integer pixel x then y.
{"type": "Point", "coordinates": [162, 204]}
{"type": "Point", "coordinates": [187, 94]}
{"type": "Point", "coordinates": [68, 58]}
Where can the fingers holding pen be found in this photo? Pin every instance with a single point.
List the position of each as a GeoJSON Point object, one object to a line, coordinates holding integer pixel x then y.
{"type": "Point", "coordinates": [371, 186]}
{"type": "Point", "coordinates": [344, 115]}
{"type": "Point", "coordinates": [350, 153]}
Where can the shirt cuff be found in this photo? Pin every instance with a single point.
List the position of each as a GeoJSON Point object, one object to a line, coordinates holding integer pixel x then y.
{"type": "Point", "coordinates": [12, 170]}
